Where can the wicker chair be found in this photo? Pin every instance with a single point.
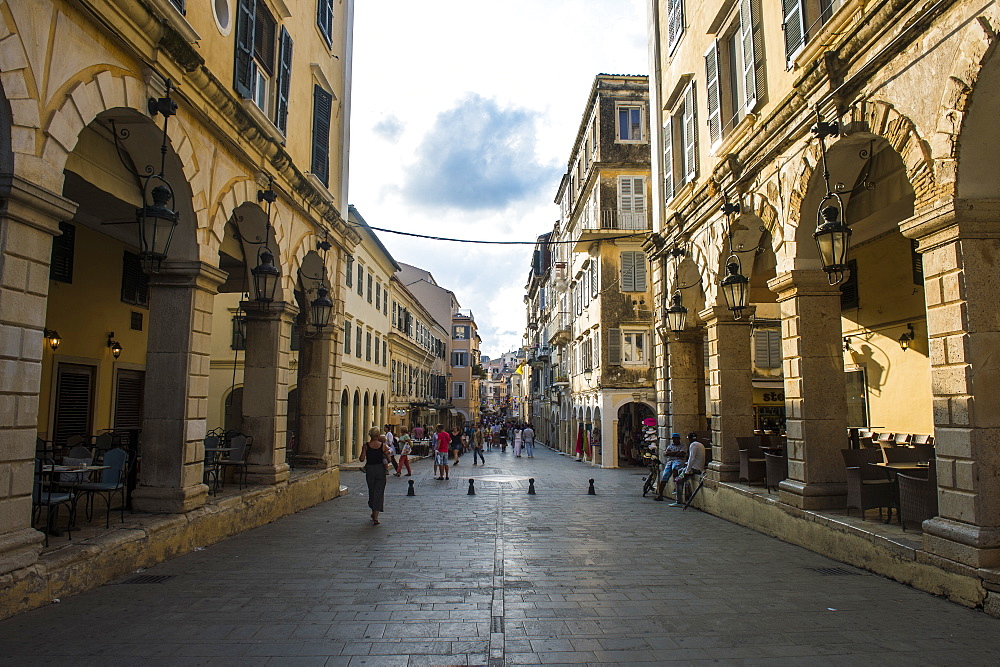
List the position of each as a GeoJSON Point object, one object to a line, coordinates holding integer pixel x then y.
{"type": "Point", "coordinates": [901, 454]}
{"type": "Point", "coordinates": [776, 467]}
{"type": "Point", "coordinates": [868, 487]}
{"type": "Point", "coordinates": [918, 500]}
{"type": "Point", "coordinates": [752, 467]}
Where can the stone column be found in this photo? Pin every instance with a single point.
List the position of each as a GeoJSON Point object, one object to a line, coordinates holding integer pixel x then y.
{"type": "Point", "coordinates": [176, 404]}
{"type": "Point", "coordinates": [265, 388]}
{"type": "Point", "coordinates": [960, 244]}
{"type": "Point", "coordinates": [730, 384]}
{"type": "Point", "coordinates": [318, 444]}
{"type": "Point", "coordinates": [685, 375]}
{"type": "Point", "coordinates": [815, 390]}
{"type": "Point", "coordinates": [29, 218]}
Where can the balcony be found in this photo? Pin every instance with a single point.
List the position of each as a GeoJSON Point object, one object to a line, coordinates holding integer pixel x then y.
{"type": "Point", "coordinates": [561, 335]}
{"type": "Point", "coordinates": [612, 223]}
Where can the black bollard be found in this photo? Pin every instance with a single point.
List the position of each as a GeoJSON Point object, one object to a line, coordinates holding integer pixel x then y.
{"type": "Point", "coordinates": [472, 487]}
{"type": "Point", "coordinates": [531, 486]}
{"type": "Point", "coordinates": [591, 491]}
{"type": "Point", "coordinates": [409, 491]}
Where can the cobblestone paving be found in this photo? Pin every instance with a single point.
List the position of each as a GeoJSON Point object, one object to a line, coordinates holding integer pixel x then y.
{"type": "Point", "coordinates": [502, 577]}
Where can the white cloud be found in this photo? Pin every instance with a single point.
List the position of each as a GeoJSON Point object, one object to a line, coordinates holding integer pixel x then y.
{"type": "Point", "coordinates": [513, 79]}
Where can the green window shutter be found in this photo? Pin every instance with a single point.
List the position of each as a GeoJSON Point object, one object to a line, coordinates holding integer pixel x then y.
{"type": "Point", "coordinates": [640, 272]}
{"type": "Point", "coordinates": [712, 91]}
{"type": "Point", "coordinates": [794, 27]}
{"type": "Point", "coordinates": [350, 270]}
{"type": "Point", "coordinates": [324, 19]}
{"type": "Point", "coordinates": [322, 110]}
{"type": "Point", "coordinates": [614, 339]}
{"type": "Point", "coordinates": [246, 10]}
{"type": "Point", "coordinates": [689, 127]}
{"type": "Point", "coordinates": [668, 160]}
{"type": "Point", "coordinates": [284, 80]}
{"type": "Point", "coordinates": [628, 272]}
{"type": "Point", "coordinates": [347, 336]}
{"type": "Point", "coordinates": [61, 261]}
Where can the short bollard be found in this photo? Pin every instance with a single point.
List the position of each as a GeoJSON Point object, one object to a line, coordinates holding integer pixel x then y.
{"type": "Point", "coordinates": [591, 491]}
{"type": "Point", "coordinates": [409, 491]}
{"type": "Point", "coordinates": [531, 486]}
{"type": "Point", "coordinates": [472, 487]}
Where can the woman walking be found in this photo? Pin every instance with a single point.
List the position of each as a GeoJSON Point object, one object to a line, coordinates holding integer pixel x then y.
{"type": "Point", "coordinates": [478, 440]}
{"type": "Point", "coordinates": [405, 449]}
{"type": "Point", "coordinates": [375, 455]}
{"type": "Point", "coordinates": [517, 441]}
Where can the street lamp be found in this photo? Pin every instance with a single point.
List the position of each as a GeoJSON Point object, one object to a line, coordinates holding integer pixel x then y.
{"type": "Point", "coordinates": [676, 313]}
{"type": "Point", "coordinates": [322, 308]}
{"type": "Point", "coordinates": [265, 274]}
{"type": "Point", "coordinates": [734, 285]}
{"type": "Point", "coordinates": [52, 336]}
{"type": "Point", "coordinates": [832, 234]}
{"type": "Point", "coordinates": [116, 347]}
{"type": "Point", "coordinates": [906, 338]}
{"type": "Point", "coordinates": [588, 374]}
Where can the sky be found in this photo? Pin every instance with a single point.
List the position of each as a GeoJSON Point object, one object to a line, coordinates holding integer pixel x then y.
{"type": "Point", "coordinates": [463, 116]}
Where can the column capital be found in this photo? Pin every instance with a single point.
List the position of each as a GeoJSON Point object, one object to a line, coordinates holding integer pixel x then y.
{"type": "Point", "coordinates": [274, 310]}
{"type": "Point", "coordinates": [802, 282]}
{"type": "Point", "coordinates": [952, 220]}
{"type": "Point", "coordinates": [188, 273]}
{"type": "Point", "coordinates": [716, 315]}
{"type": "Point", "coordinates": [34, 206]}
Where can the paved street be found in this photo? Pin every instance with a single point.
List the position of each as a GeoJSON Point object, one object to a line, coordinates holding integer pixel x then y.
{"type": "Point", "coordinates": [448, 578]}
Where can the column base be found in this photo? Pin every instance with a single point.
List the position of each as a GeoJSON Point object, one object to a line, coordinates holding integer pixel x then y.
{"type": "Point", "coordinates": [809, 496]}
{"type": "Point", "coordinates": [976, 546]}
{"type": "Point", "coordinates": [157, 500]}
{"type": "Point", "coordinates": [311, 461]}
{"type": "Point", "coordinates": [19, 549]}
{"type": "Point", "coordinates": [723, 472]}
{"type": "Point", "coordinates": [268, 474]}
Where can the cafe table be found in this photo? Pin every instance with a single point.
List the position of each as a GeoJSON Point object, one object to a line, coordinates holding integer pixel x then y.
{"type": "Point", "coordinates": [892, 470]}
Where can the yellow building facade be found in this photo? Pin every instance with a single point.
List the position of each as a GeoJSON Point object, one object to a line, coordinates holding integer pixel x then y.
{"type": "Point", "coordinates": [101, 334]}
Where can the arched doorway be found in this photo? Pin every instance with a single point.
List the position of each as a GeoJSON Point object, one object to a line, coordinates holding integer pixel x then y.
{"type": "Point", "coordinates": [630, 418]}
{"type": "Point", "coordinates": [345, 418]}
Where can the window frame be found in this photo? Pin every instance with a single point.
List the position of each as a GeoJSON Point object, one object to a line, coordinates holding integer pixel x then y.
{"type": "Point", "coordinates": [643, 336]}
{"type": "Point", "coordinates": [630, 107]}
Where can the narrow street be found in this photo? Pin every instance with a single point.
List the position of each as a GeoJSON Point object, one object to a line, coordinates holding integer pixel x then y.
{"type": "Point", "coordinates": [501, 577]}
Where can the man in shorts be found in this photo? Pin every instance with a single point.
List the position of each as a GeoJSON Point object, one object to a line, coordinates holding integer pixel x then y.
{"type": "Point", "coordinates": [674, 462]}
{"type": "Point", "coordinates": [441, 455]}
{"type": "Point", "coordinates": [695, 466]}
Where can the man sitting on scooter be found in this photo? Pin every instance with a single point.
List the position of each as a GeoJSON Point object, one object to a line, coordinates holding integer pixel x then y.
{"type": "Point", "coordinates": [674, 462]}
{"type": "Point", "coordinates": [695, 466]}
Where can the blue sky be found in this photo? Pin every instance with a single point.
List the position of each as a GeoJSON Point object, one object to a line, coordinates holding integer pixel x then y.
{"type": "Point", "coordinates": [463, 117]}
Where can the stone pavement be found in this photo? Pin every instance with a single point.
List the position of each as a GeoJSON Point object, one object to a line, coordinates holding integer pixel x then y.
{"type": "Point", "coordinates": [501, 578]}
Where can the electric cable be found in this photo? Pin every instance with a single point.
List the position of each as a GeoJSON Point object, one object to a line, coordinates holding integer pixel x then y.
{"type": "Point", "coordinates": [442, 238]}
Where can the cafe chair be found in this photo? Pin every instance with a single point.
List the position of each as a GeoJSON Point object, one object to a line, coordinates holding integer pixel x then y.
{"type": "Point", "coordinates": [868, 487]}
{"type": "Point", "coordinates": [900, 455]}
{"type": "Point", "coordinates": [210, 473]}
{"type": "Point", "coordinates": [776, 469]}
{"type": "Point", "coordinates": [752, 468]}
{"type": "Point", "coordinates": [43, 494]}
{"type": "Point", "coordinates": [78, 456]}
{"type": "Point", "coordinates": [902, 439]}
{"type": "Point", "coordinates": [922, 440]}
{"type": "Point", "coordinates": [112, 484]}
{"type": "Point", "coordinates": [237, 459]}
{"type": "Point", "coordinates": [918, 500]}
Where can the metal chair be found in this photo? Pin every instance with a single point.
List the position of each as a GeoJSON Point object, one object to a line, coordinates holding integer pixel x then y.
{"type": "Point", "coordinates": [43, 494]}
{"type": "Point", "coordinates": [240, 445]}
{"type": "Point", "coordinates": [776, 469]}
{"type": "Point", "coordinates": [752, 465]}
{"type": "Point", "coordinates": [902, 439]}
{"type": "Point", "coordinates": [868, 487]}
{"type": "Point", "coordinates": [112, 483]}
{"type": "Point", "coordinates": [210, 471]}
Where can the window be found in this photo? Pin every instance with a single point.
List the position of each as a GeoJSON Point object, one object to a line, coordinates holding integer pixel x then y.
{"type": "Point", "coordinates": [377, 349]}
{"type": "Point", "coordinates": [378, 296]}
{"type": "Point", "coordinates": [849, 288]}
{"type": "Point", "coordinates": [239, 341]}
{"type": "Point", "coordinates": [767, 348]}
{"type": "Point", "coordinates": [357, 342]}
{"type": "Point", "coordinates": [916, 261]}
{"type": "Point", "coordinates": [630, 123]}
{"type": "Point", "coordinates": [633, 347]}
{"type": "Point", "coordinates": [631, 202]}
{"type": "Point", "coordinates": [385, 353]}
{"type": "Point", "coordinates": [263, 60]}
{"type": "Point", "coordinates": [857, 397]}
{"type": "Point", "coordinates": [594, 285]}
{"type": "Point", "coordinates": [385, 301]}
{"type": "Point", "coordinates": [394, 311]}
{"type": "Point", "coordinates": [135, 283]}
{"type": "Point", "coordinates": [458, 390]}
{"type": "Point", "coordinates": [633, 271]}
{"type": "Point", "coordinates": [347, 336]}
{"type": "Point", "coordinates": [296, 338]}
{"type": "Point", "coordinates": [322, 112]}
{"type": "Point", "coordinates": [804, 19]}
{"type": "Point", "coordinates": [461, 332]}
{"type": "Point", "coordinates": [61, 263]}
{"type": "Point", "coordinates": [324, 20]}
{"type": "Point", "coordinates": [370, 281]}
{"type": "Point", "coordinates": [680, 144]}
{"type": "Point", "coordinates": [675, 24]}
{"type": "Point", "coordinates": [361, 280]}
{"type": "Point", "coordinates": [368, 346]}
{"type": "Point", "coordinates": [350, 270]}
{"type": "Point", "coordinates": [459, 359]}
{"type": "Point", "coordinates": [734, 71]}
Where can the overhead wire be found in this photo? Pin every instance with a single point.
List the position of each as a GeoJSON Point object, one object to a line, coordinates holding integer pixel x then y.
{"type": "Point", "coordinates": [453, 240]}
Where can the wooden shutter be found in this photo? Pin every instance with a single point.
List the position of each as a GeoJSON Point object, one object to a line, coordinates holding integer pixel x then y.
{"type": "Point", "coordinates": [794, 27]}
{"type": "Point", "coordinates": [61, 261]}
{"type": "Point", "coordinates": [246, 10]}
{"type": "Point", "coordinates": [296, 338]}
{"type": "Point", "coordinates": [264, 33]}
{"type": "Point", "coordinates": [347, 336]}
{"type": "Point", "coordinates": [767, 348]}
{"type": "Point", "coordinates": [284, 80]}
{"type": "Point", "coordinates": [74, 399]}
{"type": "Point", "coordinates": [128, 400]}
{"type": "Point", "coordinates": [849, 288]}
{"type": "Point", "coordinates": [675, 24]}
{"type": "Point", "coordinates": [690, 130]}
{"type": "Point", "coordinates": [640, 271]}
{"type": "Point", "coordinates": [322, 108]}
{"type": "Point", "coordinates": [774, 348]}
{"type": "Point", "coordinates": [712, 92]}
{"type": "Point", "coordinates": [628, 273]}
{"type": "Point", "coordinates": [594, 284]}
{"type": "Point", "coordinates": [668, 160]}
{"type": "Point", "coordinates": [350, 275]}
{"type": "Point", "coordinates": [917, 260]}
{"type": "Point", "coordinates": [179, 4]}
{"type": "Point", "coordinates": [324, 19]}
{"type": "Point", "coordinates": [631, 195]}
{"type": "Point", "coordinates": [752, 39]}
{"type": "Point", "coordinates": [614, 338]}
{"type": "Point", "coordinates": [135, 283]}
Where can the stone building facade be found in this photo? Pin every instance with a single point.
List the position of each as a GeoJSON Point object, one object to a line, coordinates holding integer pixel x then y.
{"type": "Point", "coordinates": [737, 87]}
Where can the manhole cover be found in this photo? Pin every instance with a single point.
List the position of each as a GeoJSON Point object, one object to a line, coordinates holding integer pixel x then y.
{"type": "Point", "coordinates": [149, 579]}
{"type": "Point", "coordinates": [832, 571]}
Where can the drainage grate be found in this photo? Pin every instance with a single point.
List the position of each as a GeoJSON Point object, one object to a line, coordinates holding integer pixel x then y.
{"type": "Point", "coordinates": [832, 571]}
{"type": "Point", "coordinates": [149, 579]}
{"type": "Point", "coordinates": [496, 626]}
